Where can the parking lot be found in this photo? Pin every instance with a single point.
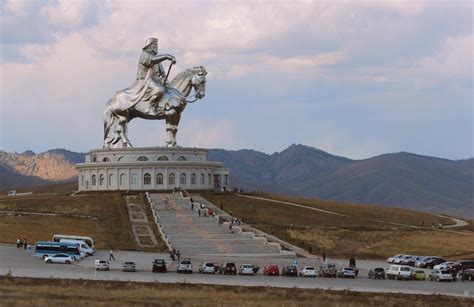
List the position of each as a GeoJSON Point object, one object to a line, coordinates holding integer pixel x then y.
{"type": "Point", "coordinates": [18, 263]}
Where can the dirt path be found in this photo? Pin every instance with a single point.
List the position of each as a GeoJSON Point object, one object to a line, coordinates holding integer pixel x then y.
{"type": "Point", "coordinates": [458, 222]}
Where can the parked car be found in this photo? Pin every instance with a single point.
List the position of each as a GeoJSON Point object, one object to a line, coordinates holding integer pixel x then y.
{"type": "Point", "coordinates": [228, 268]}
{"type": "Point", "coordinates": [271, 270]}
{"type": "Point", "coordinates": [407, 260]}
{"type": "Point", "coordinates": [289, 270]}
{"type": "Point", "coordinates": [431, 262]}
{"type": "Point", "coordinates": [346, 273]}
{"type": "Point", "coordinates": [185, 266]}
{"type": "Point", "coordinates": [328, 270]}
{"type": "Point", "coordinates": [377, 273]}
{"type": "Point", "coordinates": [246, 269]}
{"type": "Point", "coordinates": [444, 265]}
{"type": "Point", "coordinates": [440, 275]}
{"type": "Point", "coordinates": [308, 271]}
{"type": "Point", "coordinates": [129, 266]}
{"type": "Point", "coordinates": [59, 258]}
{"type": "Point", "coordinates": [101, 265]}
{"type": "Point", "coordinates": [418, 275]}
{"type": "Point", "coordinates": [399, 272]}
{"type": "Point", "coordinates": [207, 268]}
{"type": "Point", "coordinates": [393, 258]}
{"type": "Point", "coordinates": [420, 261]}
{"type": "Point", "coordinates": [159, 266]}
{"type": "Point", "coordinates": [467, 275]}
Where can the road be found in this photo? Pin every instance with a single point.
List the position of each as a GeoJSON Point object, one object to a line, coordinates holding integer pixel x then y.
{"type": "Point", "coordinates": [18, 263]}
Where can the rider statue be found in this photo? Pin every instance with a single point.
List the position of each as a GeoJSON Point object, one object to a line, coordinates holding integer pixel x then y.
{"type": "Point", "coordinates": [150, 84]}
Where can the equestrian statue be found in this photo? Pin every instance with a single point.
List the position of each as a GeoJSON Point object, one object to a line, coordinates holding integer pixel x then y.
{"type": "Point", "coordinates": [151, 96]}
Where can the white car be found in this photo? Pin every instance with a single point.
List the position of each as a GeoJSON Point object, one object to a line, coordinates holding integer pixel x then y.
{"type": "Point", "coordinates": [246, 269]}
{"type": "Point", "coordinates": [393, 258]}
{"type": "Point", "coordinates": [59, 258]}
{"type": "Point", "coordinates": [399, 272]}
{"type": "Point", "coordinates": [101, 265]}
{"type": "Point", "coordinates": [207, 268]}
{"type": "Point", "coordinates": [185, 266]}
{"type": "Point", "coordinates": [444, 265]}
{"type": "Point", "coordinates": [308, 271]}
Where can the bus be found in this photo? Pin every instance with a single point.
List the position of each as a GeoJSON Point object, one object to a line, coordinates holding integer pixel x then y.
{"type": "Point", "coordinates": [44, 249]}
{"type": "Point", "coordinates": [88, 240]}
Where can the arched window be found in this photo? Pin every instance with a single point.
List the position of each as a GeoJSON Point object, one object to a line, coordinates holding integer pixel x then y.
{"type": "Point", "coordinates": [101, 179]}
{"type": "Point", "coordinates": [105, 159]}
{"type": "Point", "coordinates": [202, 179]}
{"type": "Point", "coordinates": [120, 158]}
{"type": "Point", "coordinates": [182, 178]}
{"type": "Point", "coordinates": [171, 179]}
{"type": "Point", "coordinates": [159, 178]}
{"type": "Point", "coordinates": [94, 180]}
{"type": "Point", "coordinates": [147, 179]}
{"type": "Point", "coordinates": [82, 180]}
{"type": "Point", "coordinates": [226, 179]}
{"type": "Point", "coordinates": [181, 158]}
{"type": "Point", "coordinates": [142, 158]}
{"type": "Point", "coordinates": [123, 179]}
{"type": "Point", "coordinates": [111, 179]}
{"type": "Point", "coordinates": [94, 159]}
{"type": "Point", "coordinates": [134, 179]}
{"type": "Point", "coordinates": [162, 158]}
{"type": "Point", "coordinates": [193, 178]}
{"type": "Point", "coordinates": [209, 179]}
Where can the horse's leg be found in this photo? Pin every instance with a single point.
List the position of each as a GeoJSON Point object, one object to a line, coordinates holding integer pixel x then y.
{"type": "Point", "coordinates": [172, 129]}
{"type": "Point", "coordinates": [122, 131]}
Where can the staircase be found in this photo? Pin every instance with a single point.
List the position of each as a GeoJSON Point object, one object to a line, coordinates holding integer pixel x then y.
{"type": "Point", "coordinates": [191, 234]}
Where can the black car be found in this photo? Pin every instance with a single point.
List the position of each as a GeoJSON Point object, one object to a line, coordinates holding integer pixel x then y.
{"type": "Point", "coordinates": [159, 266]}
{"type": "Point", "coordinates": [228, 268]}
{"type": "Point", "coordinates": [464, 265]}
{"type": "Point", "coordinates": [377, 273]}
{"type": "Point", "coordinates": [434, 261]}
{"type": "Point", "coordinates": [289, 270]}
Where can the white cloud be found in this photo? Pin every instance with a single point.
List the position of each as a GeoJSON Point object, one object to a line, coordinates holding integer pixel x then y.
{"type": "Point", "coordinates": [66, 13]}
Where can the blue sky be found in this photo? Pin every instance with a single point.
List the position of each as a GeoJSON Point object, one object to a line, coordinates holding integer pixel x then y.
{"type": "Point", "coordinates": [354, 78]}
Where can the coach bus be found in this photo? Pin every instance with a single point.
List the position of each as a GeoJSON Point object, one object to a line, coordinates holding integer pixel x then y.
{"type": "Point", "coordinates": [88, 240]}
{"type": "Point", "coordinates": [44, 249]}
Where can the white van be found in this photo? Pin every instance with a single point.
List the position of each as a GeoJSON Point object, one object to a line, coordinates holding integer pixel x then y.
{"type": "Point", "coordinates": [399, 272]}
{"type": "Point", "coordinates": [85, 249]}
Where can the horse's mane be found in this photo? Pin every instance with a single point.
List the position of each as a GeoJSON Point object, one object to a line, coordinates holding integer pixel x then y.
{"type": "Point", "coordinates": [185, 73]}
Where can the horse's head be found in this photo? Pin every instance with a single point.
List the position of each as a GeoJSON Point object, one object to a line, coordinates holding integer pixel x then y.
{"type": "Point", "coordinates": [199, 81]}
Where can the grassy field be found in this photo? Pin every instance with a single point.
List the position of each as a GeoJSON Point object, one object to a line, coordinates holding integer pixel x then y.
{"type": "Point", "coordinates": [57, 292]}
{"type": "Point", "coordinates": [357, 234]}
{"type": "Point", "coordinates": [104, 217]}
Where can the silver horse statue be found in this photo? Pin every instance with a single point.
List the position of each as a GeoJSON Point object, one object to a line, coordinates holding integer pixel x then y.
{"type": "Point", "coordinates": [119, 110]}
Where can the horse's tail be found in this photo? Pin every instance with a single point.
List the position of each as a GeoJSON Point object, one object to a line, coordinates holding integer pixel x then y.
{"type": "Point", "coordinates": [109, 123]}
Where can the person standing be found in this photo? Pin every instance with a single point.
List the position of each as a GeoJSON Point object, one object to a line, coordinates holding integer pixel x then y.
{"type": "Point", "coordinates": [111, 256]}
{"type": "Point", "coordinates": [178, 254]}
{"type": "Point", "coordinates": [24, 243]}
{"type": "Point", "coordinates": [28, 249]}
{"type": "Point", "coordinates": [17, 242]}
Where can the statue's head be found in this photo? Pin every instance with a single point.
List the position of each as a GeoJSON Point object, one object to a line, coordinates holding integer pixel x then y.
{"type": "Point", "coordinates": [151, 44]}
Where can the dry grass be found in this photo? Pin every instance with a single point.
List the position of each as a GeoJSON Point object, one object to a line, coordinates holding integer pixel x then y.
{"type": "Point", "coordinates": [395, 215]}
{"type": "Point", "coordinates": [56, 292]}
{"type": "Point", "coordinates": [105, 218]}
{"type": "Point", "coordinates": [340, 236]}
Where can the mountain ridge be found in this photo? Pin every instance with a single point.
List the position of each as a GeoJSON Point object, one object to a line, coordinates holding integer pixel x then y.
{"type": "Point", "coordinates": [399, 179]}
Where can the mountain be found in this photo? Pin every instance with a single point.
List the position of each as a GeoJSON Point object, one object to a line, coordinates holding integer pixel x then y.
{"type": "Point", "coordinates": [29, 169]}
{"type": "Point", "coordinates": [398, 179]}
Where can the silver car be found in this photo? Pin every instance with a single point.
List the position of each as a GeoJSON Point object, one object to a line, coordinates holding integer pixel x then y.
{"type": "Point", "coordinates": [440, 275]}
{"type": "Point", "coordinates": [59, 258]}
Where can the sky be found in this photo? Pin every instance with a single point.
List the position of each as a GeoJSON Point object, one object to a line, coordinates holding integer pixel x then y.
{"type": "Point", "coordinates": [353, 78]}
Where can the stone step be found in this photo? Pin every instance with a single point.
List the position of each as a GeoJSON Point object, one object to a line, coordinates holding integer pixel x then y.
{"type": "Point", "coordinates": [216, 241]}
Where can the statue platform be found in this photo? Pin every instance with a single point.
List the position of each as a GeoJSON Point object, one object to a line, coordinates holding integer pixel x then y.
{"type": "Point", "coordinates": [150, 169]}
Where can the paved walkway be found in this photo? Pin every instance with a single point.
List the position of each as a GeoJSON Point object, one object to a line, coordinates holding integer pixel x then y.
{"type": "Point", "coordinates": [139, 222]}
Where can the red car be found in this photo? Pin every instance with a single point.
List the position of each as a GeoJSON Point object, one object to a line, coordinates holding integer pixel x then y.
{"type": "Point", "coordinates": [271, 270]}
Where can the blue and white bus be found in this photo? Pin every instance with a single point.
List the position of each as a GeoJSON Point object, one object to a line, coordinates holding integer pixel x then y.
{"type": "Point", "coordinates": [44, 249]}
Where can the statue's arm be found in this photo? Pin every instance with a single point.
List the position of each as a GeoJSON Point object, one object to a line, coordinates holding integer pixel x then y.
{"type": "Point", "coordinates": [157, 59]}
